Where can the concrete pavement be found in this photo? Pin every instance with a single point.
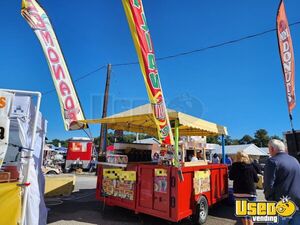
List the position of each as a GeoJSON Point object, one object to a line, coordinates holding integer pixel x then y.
{"type": "Point", "coordinates": [83, 209]}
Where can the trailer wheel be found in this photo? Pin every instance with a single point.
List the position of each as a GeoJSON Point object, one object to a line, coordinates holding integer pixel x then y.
{"type": "Point", "coordinates": [201, 211]}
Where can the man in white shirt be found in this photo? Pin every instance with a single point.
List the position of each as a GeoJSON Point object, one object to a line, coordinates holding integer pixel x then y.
{"type": "Point", "coordinates": [194, 158]}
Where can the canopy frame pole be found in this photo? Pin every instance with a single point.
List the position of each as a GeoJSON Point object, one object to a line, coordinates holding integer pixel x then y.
{"type": "Point", "coordinates": [223, 148]}
{"type": "Point", "coordinates": [103, 130]}
{"type": "Point", "coordinates": [177, 138]}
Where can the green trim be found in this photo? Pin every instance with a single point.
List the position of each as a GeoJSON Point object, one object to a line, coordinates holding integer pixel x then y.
{"type": "Point", "coordinates": [177, 138]}
{"type": "Point", "coordinates": [136, 3]}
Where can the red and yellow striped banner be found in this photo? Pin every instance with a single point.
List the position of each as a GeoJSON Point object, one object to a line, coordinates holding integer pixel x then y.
{"type": "Point", "coordinates": [142, 40]}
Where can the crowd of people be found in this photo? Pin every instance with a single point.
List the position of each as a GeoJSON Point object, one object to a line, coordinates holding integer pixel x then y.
{"type": "Point", "coordinates": [281, 176]}
{"type": "Point", "coordinates": [281, 179]}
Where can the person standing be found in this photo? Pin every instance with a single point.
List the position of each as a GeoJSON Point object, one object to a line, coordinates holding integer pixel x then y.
{"type": "Point", "coordinates": [194, 158]}
{"type": "Point", "coordinates": [228, 160]}
{"type": "Point", "coordinates": [93, 164]}
{"type": "Point", "coordinates": [282, 178]}
{"type": "Point", "coordinates": [215, 159]}
{"type": "Point", "coordinates": [257, 166]}
{"type": "Point", "coordinates": [244, 177]}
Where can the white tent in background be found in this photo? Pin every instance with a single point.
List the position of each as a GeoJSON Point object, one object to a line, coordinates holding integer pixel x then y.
{"type": "Point", "coordinates": [147, 141]}
{"type": "Point", "coordinates": [250, 149]}
{"type": "Point", "coordinates": [265, 150]}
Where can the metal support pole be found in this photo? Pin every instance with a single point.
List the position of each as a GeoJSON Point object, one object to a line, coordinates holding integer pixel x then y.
{"type": "Point", "coordinates": [223, 148]}
{"type": "Point", "coordinates": [177, 137]}
{"type": "Point", "coordinates": [294, 133]}
{"type": "Point", "coordinates": [103, 131]}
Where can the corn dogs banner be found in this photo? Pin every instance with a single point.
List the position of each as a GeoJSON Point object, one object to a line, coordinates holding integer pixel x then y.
{"type": "Point", "coordinates": [41, 25]}
{"type": "Point", "coordinates": [142, 40]}
{"type": "Point", "coordinates": [287, 55]}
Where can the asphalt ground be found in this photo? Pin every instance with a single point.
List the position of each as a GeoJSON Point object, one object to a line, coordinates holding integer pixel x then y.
{"type": "Point", "coordinates": [82, 208]}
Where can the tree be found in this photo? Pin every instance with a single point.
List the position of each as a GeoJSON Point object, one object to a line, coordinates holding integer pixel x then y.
{"type": "Point", "coordinates": [213, 140]}
{"type": "Point", "coordinates": [276, 137]}
{"type": "Point", "coordinates": [261, 138]}
{"type": "Point", "coordinates": [235, 142]}
{"type": "Point", "coordinates": [247, 139]}
{"type": "Point", "coordinates": [56, 142]}
{"type": "Point", "coordinates": [229, 141]}
{"type": "Point", "coordinates": [125, 138]}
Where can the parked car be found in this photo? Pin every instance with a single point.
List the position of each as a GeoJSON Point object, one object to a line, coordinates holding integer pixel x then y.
{"type": "Point", "coordinates": [51, 170]}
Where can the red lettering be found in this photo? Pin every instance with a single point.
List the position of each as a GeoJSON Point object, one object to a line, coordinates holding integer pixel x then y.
{"type": "Point", "coordinates": [53, 56]}
{"type": "Point", "coordinates": [58, 71]}
{"type": "Point", "coordinates": [71, 115]}
{"type": "Point", "coordinates": [64, 88]}
{"type": "Point", "coordinates": [47, 37]}
{"type": "Point", "coordinates": [39, 23]}
{"type": "Point", "coordinates": [69, 103]}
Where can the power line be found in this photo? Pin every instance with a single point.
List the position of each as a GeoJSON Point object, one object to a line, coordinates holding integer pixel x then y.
{"type": "Point", "coordinates": [79, 78]}
{"type": "Point", "coordinates": [211, 47]}
{"type": "Point", "coordinates": [181, 53]}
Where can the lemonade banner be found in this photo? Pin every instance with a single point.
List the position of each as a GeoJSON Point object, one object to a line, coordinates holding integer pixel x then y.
{"type": "Point", "coordinates": [142, 40]}
{"type": "Point", "coordinates": [287, 56]}
{"type": "Point", "coordinates": [41, 25]}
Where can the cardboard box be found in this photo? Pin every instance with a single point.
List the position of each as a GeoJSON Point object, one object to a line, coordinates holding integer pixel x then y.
{"type": "Point", "coordinates": [4, 177]}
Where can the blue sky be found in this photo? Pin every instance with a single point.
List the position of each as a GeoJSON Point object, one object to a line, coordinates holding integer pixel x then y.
{"type": "Point", "coordinates": [238, 85]}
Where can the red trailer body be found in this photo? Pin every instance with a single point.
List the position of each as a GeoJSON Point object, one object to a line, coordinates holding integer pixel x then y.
{"type": "Point", "coordinates": [79, 150]}
{"type": "Point", "coordinates": [178, 201]}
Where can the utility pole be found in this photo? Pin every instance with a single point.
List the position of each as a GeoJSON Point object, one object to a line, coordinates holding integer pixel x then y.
{"type": "Point", "coordinates": [103, 131]}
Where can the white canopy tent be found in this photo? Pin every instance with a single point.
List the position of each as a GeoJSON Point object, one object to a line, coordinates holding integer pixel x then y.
{"type": "Point", "coordinates": [250, 149]}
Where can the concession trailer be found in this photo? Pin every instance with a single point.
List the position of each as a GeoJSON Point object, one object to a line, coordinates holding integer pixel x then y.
{"type": "Point", "coordinates": [79, 154]}
{"type": "Point", "coordinates": [155, 187]}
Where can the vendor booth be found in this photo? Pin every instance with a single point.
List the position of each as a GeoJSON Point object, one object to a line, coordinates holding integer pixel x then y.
{"type": "Point", "coordinates": [21, 178]}
{"type": "Point", "coordinates": [154, 187]}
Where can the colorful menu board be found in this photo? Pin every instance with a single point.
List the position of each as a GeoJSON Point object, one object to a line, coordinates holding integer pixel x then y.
{"type": "Point", "coordinates": [160, 180]}
{"type": "Point", "coordinates": [119, 183]}
{"type": "Point", "coordinates": [201, 181]}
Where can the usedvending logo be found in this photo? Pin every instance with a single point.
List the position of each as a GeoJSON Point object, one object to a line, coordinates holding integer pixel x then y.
{"type": "Point", "coordinates": [262, 212]}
